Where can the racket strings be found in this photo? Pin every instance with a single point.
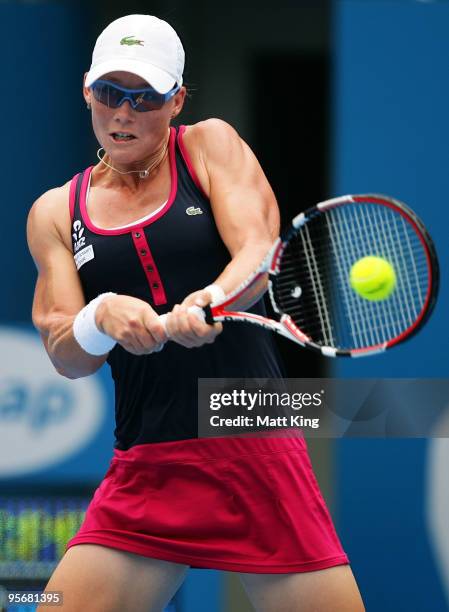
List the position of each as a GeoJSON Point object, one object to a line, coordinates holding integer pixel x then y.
{"type": "Point", "coordinates": [317, 286]}
{"type": "Point", "coordinates": [313, 283]}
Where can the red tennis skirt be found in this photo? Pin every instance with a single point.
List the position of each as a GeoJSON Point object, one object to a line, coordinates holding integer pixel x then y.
{"type": "Point", "coordinates": [242, 504]}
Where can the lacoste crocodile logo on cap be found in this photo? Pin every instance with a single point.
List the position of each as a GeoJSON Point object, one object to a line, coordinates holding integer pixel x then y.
{"type": "Point", "coordinates": [131, 40]}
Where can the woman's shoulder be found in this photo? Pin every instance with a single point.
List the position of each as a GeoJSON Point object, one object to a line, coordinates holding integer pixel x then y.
{"type": "Point", "coordinates": [209, 130]}
{"type": "Point", "coordinates": [51, 210]}
{"type": "Point", "coordinates": [50, 202]}
{"type": "Point", "coordinates": [210, 141]}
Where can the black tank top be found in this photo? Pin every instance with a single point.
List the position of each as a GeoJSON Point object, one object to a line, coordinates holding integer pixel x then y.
{"type": "Point", "coordinates": [161, 261]}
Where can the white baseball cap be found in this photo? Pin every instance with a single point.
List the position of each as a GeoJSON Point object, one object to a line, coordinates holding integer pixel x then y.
{"type": "Point", "coordinates": [141, 44]}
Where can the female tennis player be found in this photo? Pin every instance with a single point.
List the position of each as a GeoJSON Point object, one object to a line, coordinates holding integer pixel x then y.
{"type": "Point", "coordinates": [166, 219]}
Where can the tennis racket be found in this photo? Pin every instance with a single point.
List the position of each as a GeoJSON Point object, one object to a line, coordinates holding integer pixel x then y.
{"type": "Point", "coordinates": [308, 270]}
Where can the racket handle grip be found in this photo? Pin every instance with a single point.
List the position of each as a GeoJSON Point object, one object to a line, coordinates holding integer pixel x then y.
{"type": "Point", "coordinates": [196, 310]}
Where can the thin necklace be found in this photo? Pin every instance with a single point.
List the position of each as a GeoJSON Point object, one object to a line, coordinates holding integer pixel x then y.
{"type": "Point", "coordinates": [143, 174]}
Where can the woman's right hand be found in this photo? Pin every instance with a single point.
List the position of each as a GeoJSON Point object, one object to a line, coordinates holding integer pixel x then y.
{"type": "Point", "coordinates": [132, 323]}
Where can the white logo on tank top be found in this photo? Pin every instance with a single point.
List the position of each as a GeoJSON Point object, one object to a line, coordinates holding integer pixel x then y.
{"type": "Point", "coordinates": [79, 241]}
{"type": "Point", "coordinates": [84, 256]}
{"type": "Point", "coordinates": [192, 210]}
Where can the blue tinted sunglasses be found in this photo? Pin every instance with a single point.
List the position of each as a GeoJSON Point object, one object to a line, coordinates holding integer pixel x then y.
{"type": "Point", "coordinates": [142, 100]}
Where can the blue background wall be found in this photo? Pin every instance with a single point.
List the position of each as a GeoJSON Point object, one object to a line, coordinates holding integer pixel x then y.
{"type": "Point", "coordinates": [391, 128]}
{"type": "Point", "coordinates": [43, 123]}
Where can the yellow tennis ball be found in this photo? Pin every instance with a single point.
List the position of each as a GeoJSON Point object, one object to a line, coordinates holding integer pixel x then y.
{"type": "Point", "coordinates": [373, 278]}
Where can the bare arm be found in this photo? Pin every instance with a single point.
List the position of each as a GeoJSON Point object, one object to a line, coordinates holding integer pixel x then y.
{"type": "Point", "coordinates": [59, 297]}
{"type": "Point", "coordinates": [244, 205]}
{"type": "Point", "coordinates": [245, 211]}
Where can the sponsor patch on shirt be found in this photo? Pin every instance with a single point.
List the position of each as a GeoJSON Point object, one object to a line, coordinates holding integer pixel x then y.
{"type": "Point", "coordinates": [84, 256]}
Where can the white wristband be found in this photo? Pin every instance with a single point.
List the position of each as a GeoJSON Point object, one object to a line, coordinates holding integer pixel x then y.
{"type": "Point", "coordinates": [216, 292]}
{"type": "Point", "coordinates": [86, 332]}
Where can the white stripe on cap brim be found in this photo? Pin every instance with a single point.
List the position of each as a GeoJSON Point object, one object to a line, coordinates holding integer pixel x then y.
{"type": "Point", "coordinates": [159, 79]}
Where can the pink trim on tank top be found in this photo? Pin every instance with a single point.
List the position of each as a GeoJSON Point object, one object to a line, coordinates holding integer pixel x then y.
{"type": "Point", "coordinates": [171, 198]}
{"type": "Point", "coordinates": [72, 195]}
{"type": "Point", "coordinates": [188, 161]}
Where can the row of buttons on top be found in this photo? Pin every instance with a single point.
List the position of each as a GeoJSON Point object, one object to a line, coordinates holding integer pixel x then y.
{"type": "Point", "coordinates": [143, 252]}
